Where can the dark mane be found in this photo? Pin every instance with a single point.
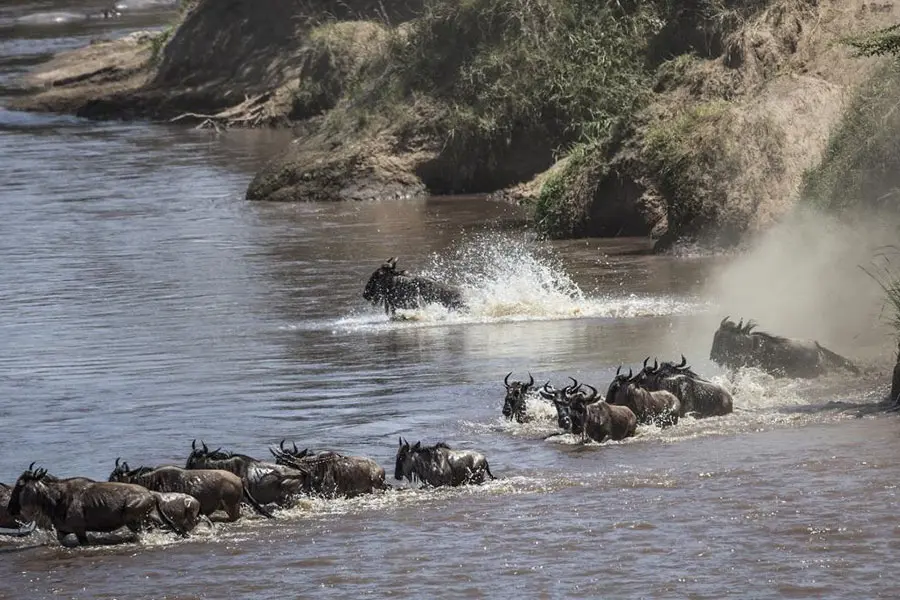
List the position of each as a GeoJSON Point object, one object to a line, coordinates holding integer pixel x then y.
{"type": "Point", "coordinates": [768, 336]}
{"type": "Point", "coordinates": [431, 450]}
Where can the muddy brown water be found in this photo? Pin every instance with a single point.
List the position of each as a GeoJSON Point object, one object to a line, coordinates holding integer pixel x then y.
{"type": "Point", "coordinates": [144, 303]}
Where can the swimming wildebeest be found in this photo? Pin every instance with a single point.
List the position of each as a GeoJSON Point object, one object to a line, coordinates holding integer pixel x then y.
{"type": "Point", "coordinates": [593, 417]}
{"type": "Point", "coordinates": [331, 474]}
{"type": "Point", "coordinates": [78, 506]}
{"type": "Point", "coordinates": [658, 407]}
{"type": "Point", "coordinates": [736, 345]}
{"type": "Point", "coordinates": [514, 405]}
{"type": "Point", "coordinates": [266, 482]}
{"type": "Point", "coordinates": [398, 289]}
{"type": "Point", "coordinates": [215, 489]}
{"type": "Point", "coordinates": [8, 525]}
{"type": "Point", "coordinates": [563, 400]}
{"type": "Point", "coordinates": [698, 396]}
{"type": "Point", "coordinates": [439, 465]}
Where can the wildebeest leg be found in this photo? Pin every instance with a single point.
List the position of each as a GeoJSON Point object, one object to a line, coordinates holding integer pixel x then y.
{"type": "Point", "coordinates": [81, 536]}
{"type": "Point", "coordinates": [234, 512]}
{"type": "Point", "coordinates": [487, 469]}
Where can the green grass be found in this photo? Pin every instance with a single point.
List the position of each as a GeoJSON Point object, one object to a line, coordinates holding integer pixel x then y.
{"type": "Point", "coordinates": [691, 155]}
{"type": "Point", "coordinates": [478, 75]}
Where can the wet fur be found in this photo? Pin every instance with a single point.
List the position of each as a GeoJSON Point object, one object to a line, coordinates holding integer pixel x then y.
{"type": "Point", "coordinates": [440, 465]}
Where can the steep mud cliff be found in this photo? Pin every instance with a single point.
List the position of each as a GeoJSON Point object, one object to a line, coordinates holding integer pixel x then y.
{"type": "Point", "coordinates": [685, 121]}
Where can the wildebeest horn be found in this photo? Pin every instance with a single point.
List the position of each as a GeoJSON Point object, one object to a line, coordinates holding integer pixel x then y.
{"type": "Point", "coordinates": [399, 440]}
{"type": "Point", "coordinates": [618, 370]}
{"type": "Point", "coordinates": [645, 362]}
{"type": "Point", "coordinates": [117, 461]}
{"type": "Point", "coordinates": [741, 324]}
{"type": "Point", "coordinates": [205, 449]}
{"type": "Point", "coordinates": [630, 374]}
{"type": "Point", "coordinates": [655, 364]}
{"type": "Point", "coordinates": [194, 444]}
{"type": "Point", "coordinates": [281, 445]}
{"type": "Point", "coordinates": [295, 447]}
{"type": "Point", "coordinates": [31, 466]}
{"type": "Point", "coordinates": [593, 390]}
{"type": "Point", "coordinates": [725, 320]}
{"type": "Point", "coordinates": [683, 362]}
{"type": "Point", "coordinates": [750, 325]}
{"type": "Point", "coordinates": [506, 380]}
{"type": "Point", "coordinates": [530, 379]}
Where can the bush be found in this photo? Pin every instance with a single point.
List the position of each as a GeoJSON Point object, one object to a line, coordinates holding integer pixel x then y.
{"type": "Point", "coordinates": [485, 76]}
{"type": "Point", "coordinates": [860, 166]}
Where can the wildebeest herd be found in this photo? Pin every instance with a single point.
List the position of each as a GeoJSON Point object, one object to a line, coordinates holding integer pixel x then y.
{"type": "Point", "coordinates": [661, 394]}
{"type": "Point", "coordinates": [214, 484]}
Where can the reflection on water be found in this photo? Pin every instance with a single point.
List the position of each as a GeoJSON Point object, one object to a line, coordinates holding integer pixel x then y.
{"type": "Point", "coordinates": [145, 304]}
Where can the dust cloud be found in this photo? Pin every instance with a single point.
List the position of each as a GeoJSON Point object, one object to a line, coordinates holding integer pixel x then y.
{"type": "Point", "coordinates": [805, 278]}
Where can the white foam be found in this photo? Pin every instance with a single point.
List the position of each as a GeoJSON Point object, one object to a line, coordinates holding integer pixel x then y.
{"type": "Point", "coordinates": [507, 278]}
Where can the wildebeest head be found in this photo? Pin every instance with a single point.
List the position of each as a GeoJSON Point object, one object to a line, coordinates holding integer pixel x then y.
{"type": "Point", "coordinates": [666, 369]}
{"type": "Point", "coordinates": [403, 465]}
{"type": "Point", "coordinates": [577, 407]}
{"type": "Point", "coordinates": [381, 281]}
{"type": "Point", "coordinates": [619, 382]}
{"type": "Point", "coordinates": [514, 403]}
{"type": "Point", "coordinates": [731, 338]}
{"type": "Point", "coordinates": [202, 455]}
{"type": "Point", "coordinates": [120, 472]}
{"type": "Point", "coordinates": [28, 478]}
{"type": "Point", "coordinates": [570, 404]}
{"type": "Point", "coordinates": [293, 452]}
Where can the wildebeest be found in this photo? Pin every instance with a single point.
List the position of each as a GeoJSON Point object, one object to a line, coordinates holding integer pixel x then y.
{"type": "Point", "coordinates": [80, 506]}
{"type": "Point", "coordinates": [331, 474]}
{"type": "Point", "coordinates": [599, 420]}
{"type": "Point", "coordinates": [10, 526]}
{"type": "Point", "coordinates": [736, 345]}
{"type": "Point", "coordinates": [215, 489]}
{"type": "Point", "coordinates": [266, 482]}
{"type": "Point", "coordinates": [698, 396]}
{"type": "Point", "coordinates": [658, 407]}
{"type": "Point", "coordinates": [562, 401]}
{"type": "Point", "coordinates": [514, 405]}
{"type": "Point", "coordinates": [439, 465]}
{"type": "Point", "coordinates": [181, 509]}
{"type": "Point", "coordinates": [398, 289]}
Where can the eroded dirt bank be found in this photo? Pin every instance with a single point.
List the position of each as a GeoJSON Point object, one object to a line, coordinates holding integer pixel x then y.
{"type": "Point", "coordinates": [683, 121]}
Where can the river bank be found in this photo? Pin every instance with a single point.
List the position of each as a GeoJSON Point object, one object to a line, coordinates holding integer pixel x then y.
{"type": "Point", "coordinates": [691, 126]}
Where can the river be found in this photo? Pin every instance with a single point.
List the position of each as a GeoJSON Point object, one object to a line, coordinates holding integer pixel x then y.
{"type": "Point", "coordinates": [145, 303]}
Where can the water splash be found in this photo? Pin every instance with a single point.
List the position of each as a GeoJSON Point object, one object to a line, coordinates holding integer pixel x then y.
{"type": "Point", "coordinates": [761, 402]}
{"type": "Point", "coordinates": [506, 277]}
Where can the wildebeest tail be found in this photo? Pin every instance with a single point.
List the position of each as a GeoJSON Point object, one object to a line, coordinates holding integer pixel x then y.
{"type": "Point", "coordinates": [487, 469]}
{"type": "Point", "coordinates": [837, 358]}
{"type": "Point", "coordinates": [165, 518]}
{"type": "Point", "coordinates": [256, 505]}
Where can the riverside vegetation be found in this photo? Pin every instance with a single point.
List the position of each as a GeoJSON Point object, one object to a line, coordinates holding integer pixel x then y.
{"type": "Point", "coordinates": [688, 121]}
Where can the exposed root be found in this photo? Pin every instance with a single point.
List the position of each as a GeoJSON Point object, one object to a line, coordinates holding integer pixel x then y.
{"type": "Point", "coordinates": [252, 112]}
